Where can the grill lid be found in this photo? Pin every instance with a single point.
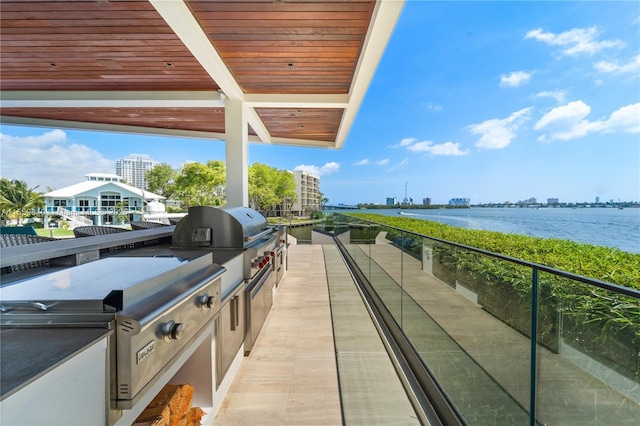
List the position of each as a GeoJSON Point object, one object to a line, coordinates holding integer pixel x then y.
{"type": "Point", "coordinates": [221, 227]}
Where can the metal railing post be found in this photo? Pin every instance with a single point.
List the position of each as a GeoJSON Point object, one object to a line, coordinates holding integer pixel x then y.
{"type": "Point", "coordinates": [534, 352]}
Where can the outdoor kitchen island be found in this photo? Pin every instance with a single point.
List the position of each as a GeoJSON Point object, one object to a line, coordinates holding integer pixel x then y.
{"type": "Point", "coordinates": [96, 342]}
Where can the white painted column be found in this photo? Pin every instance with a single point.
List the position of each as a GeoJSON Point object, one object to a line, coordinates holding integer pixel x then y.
{"type": "Point", "coordinates": [237, 157]}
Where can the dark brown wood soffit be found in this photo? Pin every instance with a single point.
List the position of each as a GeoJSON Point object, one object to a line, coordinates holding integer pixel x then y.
{"type": "Point", "coordinates": [281, 47]}
{"type": "Point", "coordinates": [303, 47]}
{"type": "Point", "coordinates": [94, 45]}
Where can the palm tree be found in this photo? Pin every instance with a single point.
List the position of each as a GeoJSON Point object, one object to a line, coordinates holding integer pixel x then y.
{"type": "Point", "coordinates": [17, 200]}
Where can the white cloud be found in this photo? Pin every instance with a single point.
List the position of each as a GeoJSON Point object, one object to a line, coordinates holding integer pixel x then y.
{"type": "Point", "coordinates": [447, 148]}
{"type": "Point", "coordinates": [633, 66]}
{"type": "Point", "coordinates": [514, 79]}
{"type": "Point", "coordinates": [403, 143]}
{"type": "Point", "coordinates": [558, 95]}
{"type": "Point", "coordinates": [498, 133]}
{"type": "Point", "coordinates": [566, 121]}
{"type": "Point", "coordinates": [327, 169]}
{"type": "Point", "coordinates": [624, 120]}
{"type": "Point", "coordinates": [569, 121]}
{"type": "Point", "coordinates": [575, 41]}
{"type": "Point", "coordinates": [366, 161]}
{"type": "Point", "coordinates": [434, 107]}
{"type": "Point", "coordinates": [399, 165]}
{"type": "Point", "coordinates": [49, 159]}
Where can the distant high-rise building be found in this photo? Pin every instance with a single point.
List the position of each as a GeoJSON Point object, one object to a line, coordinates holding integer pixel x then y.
{"type": "Point", "coordinates": [392, 201]}
{"type": "Point", "coordinates": [426, 201]}
{"type": "Point", "coordinates": [597, 200]}
{"type": "Point", "coordinates": [133, 169]}
{"type": "Point", "coordinates": [307, 191]}
{"type": "Point", "coordinates": [529, 201]}
{"type": "Point", "coordinates": [553, 201]}
{"type": "Point", "coordinates": [460, 202]}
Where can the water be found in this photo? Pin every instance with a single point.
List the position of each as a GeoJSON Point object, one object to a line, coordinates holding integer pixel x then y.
{"type": "Point", "coordinates": [609, 227]}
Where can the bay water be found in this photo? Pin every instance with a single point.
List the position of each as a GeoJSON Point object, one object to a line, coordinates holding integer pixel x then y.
{"type": "Point", "coordinates": [609, 227]}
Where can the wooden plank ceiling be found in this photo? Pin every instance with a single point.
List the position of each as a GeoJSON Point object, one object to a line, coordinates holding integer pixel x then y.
{"type": "Point", "coordinates": [159, 66]}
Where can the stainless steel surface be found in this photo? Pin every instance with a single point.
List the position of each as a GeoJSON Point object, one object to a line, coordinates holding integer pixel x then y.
{"type": "Point", "coordinates": [219, 227]}
{"type": "Point", "coordinates": [151, 333]}
{"type": "Point", "coordinates": [78, 246]}
{"type": "Point", "coordinates": [91, 281]}
{"type": "Point", "coordinates": [211, 228]}
{"type": "Point", "coordinates": [230, 331]}
{"type": "Point", "coordinates": [158, 305]}
{"type": "Point", "coordinates": [258, 301]}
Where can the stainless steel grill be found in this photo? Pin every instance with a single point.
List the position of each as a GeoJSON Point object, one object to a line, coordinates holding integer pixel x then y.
{"type": "Point", "coordinates": [157, 305]}
{"type": "Point", "coordinates": [219, 228]}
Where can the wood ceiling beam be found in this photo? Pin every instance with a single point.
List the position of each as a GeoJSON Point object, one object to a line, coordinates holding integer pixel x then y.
{"type": "Point", "coordinates": [110, 99]}
{"type": "Point", "coordinates": [181, 20]}
{"type": "Point", "coordinates": [115, 128]}
{"type": "Point", "coordinates": [179, 17]}
{"type": "Point", "coordinates": [297, 101]}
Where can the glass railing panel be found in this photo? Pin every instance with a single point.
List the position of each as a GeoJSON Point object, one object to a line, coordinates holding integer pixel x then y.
{"type": "Point", "coordinates": [463, 315]}
{"type": "Point", "coordinates": [591, 374]}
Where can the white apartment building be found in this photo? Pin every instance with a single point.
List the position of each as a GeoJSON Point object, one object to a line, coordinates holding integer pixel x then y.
{"type": "Point", "coordinates": [308, 192]}
{"type": "Point", "coordinates": [133, 167]}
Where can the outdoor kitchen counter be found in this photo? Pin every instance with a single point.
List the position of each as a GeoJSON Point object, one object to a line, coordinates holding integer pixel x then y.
{"type": "Point", "coordinates": [29, 353]}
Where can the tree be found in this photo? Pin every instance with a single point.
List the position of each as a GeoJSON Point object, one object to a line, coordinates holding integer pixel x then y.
{"type": "Point", "coordinates": [262, 193]}
{"type": "Point", "coordinates": [286, 191]}
{"type": "Point", "coordinates": [161, 179]}
{"type": "Point", "coordinates": [270, 188]}
{"type": "Point", "coordinates": [200, 184]}
{"type": "Point", "coordinates": [322, 200]}
{"type": "Point", "coordinates": [16, 199]}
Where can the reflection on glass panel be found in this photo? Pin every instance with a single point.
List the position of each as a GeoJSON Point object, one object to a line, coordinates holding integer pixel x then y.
{"type": "Point", "coordinates": [480, 359]}
{"type": "Point", "coordinates": [593, 375]}
{"type": "Point", "coordinates": [385, 267]}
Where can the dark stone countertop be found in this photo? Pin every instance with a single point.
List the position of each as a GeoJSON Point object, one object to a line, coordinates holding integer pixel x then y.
{"type": "Point", "coordinates": [28, 353]}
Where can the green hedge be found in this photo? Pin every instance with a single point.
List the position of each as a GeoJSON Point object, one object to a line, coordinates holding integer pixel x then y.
{"type": "Point", "coordinates": [602, 263]}
{"type": "Point", "coordinates": [596, 321]}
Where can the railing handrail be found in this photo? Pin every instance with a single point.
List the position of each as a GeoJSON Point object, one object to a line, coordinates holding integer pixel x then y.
{"type": "Point", "coordinates": [627, 291]}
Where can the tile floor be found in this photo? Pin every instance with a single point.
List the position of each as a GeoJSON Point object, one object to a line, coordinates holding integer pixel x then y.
{"type": "Point", "coordinates": [318, 359]}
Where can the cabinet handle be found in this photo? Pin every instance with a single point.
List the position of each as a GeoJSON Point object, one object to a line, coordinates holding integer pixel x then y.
{"type": "Point", "coordinates": [234, 312]}
{"type": "Point", "coordinates": [237, 311]}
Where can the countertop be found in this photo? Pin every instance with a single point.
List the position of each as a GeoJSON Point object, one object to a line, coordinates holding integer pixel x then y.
{"type": "Point", "coordinates": [28, 353]}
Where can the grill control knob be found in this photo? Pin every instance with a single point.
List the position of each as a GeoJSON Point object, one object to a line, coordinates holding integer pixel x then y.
{"type": "Point", "coordinates": [172, 331]}
{"type": "Point", "coordinates": [206, 301]}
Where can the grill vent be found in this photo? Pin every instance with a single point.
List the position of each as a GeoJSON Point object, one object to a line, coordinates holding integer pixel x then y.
{"type": "Point", "coordinates": [126, 327]}
{"type": "Point", "coordinates": [124, 389]}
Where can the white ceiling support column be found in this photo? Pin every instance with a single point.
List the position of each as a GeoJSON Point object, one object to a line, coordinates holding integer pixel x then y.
{"type": "Point", "coordinates": [237, 153]}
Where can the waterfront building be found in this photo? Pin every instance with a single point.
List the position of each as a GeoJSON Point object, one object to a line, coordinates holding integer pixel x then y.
{"type": "Point", "coordinates": [460, 202]}
{"type": "Point", "coordinates": [554, 201]}
{"type": "Point", "coordinates": [100, 200]}
{"type": "Point", "coordinates": [133, 169]}
{"type": "Point", "coordinates": [426, 201]}
{"type": "Point", "coordinates": [391, 201]}
{"type": "Point", "coordinates": [307, 192]}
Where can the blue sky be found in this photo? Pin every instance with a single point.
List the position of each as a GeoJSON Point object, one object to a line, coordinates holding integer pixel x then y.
{"type": "Point", "coordinates": [493, 101]}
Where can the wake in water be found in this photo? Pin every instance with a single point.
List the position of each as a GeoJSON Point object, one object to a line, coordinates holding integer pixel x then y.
{"type": "Point", "coordinates": [448, 220]}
